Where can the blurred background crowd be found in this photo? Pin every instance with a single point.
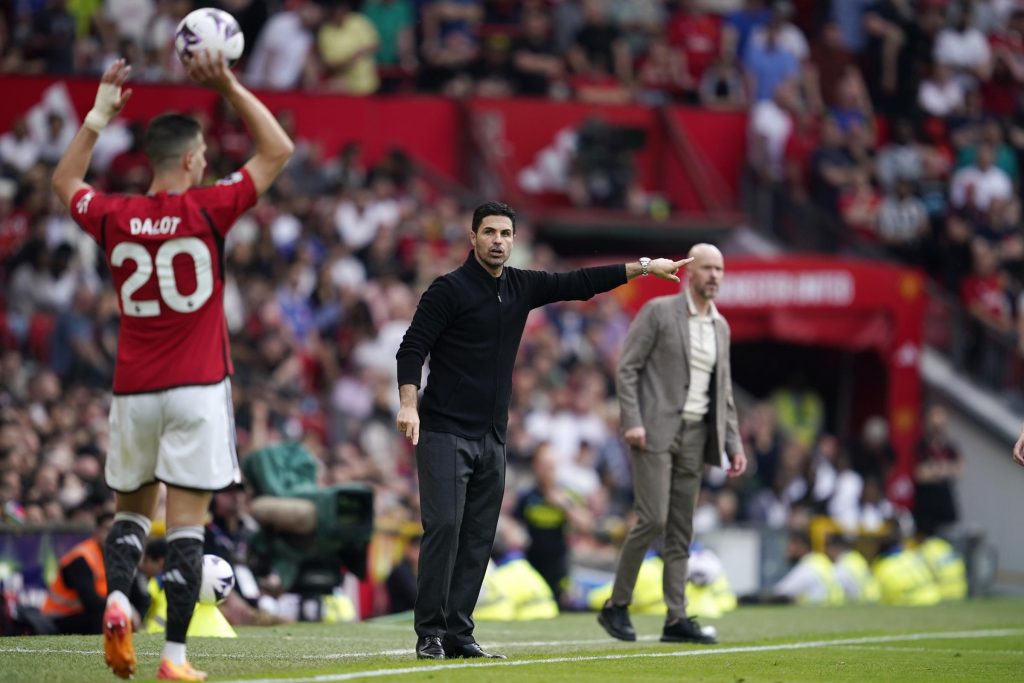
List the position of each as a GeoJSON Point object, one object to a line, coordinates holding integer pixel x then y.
{"type": "Point", "coordinates": [902, 118]}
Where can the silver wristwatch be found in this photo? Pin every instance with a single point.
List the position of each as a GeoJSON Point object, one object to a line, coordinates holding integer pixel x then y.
{"type": "Point", "coordinates": [645, 264]}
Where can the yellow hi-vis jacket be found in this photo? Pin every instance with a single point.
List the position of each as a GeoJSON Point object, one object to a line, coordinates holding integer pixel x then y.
{"type": "Point", "coordinates": [648, 596]}
{"type": "Point", "coordinates": [515, 591]}
{"type": "Point", "coordinates": [905, 579]}
{"type": "Point", "coordinates": [855, 566]}
{"type": "Point", "coordinates": [946, 566]}
{"type": "Point", "coordinates": [826, 572]}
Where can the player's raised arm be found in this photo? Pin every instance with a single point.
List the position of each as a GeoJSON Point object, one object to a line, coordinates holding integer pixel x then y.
{"type": "Point", "coordinates": [273, 146]}
{"type": "Point", "coordinates": [69, 176]}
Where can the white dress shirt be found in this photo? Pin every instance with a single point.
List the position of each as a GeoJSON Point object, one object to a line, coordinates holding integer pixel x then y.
{"type": "Point", "coordinates": [703, 356]}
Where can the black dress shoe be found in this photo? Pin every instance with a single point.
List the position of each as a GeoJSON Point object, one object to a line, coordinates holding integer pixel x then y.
{"type": "Point", "coordinates": [469, 650]}
{"type": "Point", "coordinates": [615, 619]}
{"type": "Point", "coordinates": [429, 647]}
{"type": "Point", "coordinates": [686, 631]}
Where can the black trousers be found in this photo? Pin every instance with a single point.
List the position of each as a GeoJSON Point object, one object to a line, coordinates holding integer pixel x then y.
{"type": "Point", "coordinates": [462, 482]}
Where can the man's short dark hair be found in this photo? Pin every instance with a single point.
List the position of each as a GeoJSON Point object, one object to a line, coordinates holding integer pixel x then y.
{"type": "Point", "coordinates": [493, 209]}
{"type": "Point", "coordinates": [167, 137]}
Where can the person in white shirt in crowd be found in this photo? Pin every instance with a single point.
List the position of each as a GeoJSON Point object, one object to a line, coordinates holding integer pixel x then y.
{"type": "Point", "coordinates": [965, 49]}
{"type": "Point", "coordinates": [788, 36]}
{"type": "Point", "coordinates": [361, 215]}
{"type": "Point", "coordinates": [979, 185]}
{"type": "Point", "coordinates": [19, 151]}
{"type": "Point", "coordinates": [941, 94]}
{"type": "Point", "coordinates": [282, 50]}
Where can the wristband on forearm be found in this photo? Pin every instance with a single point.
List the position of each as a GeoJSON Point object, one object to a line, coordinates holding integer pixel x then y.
{"type": "Point", "coordinates": [104, 109]}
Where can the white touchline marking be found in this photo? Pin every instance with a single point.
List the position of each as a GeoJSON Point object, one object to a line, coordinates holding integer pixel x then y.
{"type": "Point", "coordinates": [377, 673]}
{"type": "Point", "coordinates": [324, 657]}
{"type": "Point", "coordinates": [950, 650]}
{"type": "Point", "coordinates": [546, 643]}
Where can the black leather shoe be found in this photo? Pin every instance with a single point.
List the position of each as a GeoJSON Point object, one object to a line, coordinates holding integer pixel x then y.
{"type": "Point", "coordinates": [686, 631]}
{"type": "Point", "coordinates": [615, 619]}
{"type": "Point", "coordinates": [469, 651]}
{"type": "Point", "coordinates": [429, 647]}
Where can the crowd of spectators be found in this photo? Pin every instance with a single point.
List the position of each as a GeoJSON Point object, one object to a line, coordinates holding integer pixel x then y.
{"type": "Point", "coordinates": [324, 274]}
{"type": "Point", "coordinates": [904, 121]}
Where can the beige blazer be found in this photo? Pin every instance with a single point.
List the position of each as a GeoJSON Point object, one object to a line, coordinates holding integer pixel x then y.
{"type": "Point", "coordinates": [654, 376]}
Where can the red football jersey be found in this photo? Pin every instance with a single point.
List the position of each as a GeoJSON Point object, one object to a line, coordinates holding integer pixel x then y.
{"type": "Point", "coordinates": [166, 255]}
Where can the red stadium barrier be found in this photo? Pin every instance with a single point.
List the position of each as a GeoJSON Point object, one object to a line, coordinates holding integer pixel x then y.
{"type": "Point", "coordinates": [432, 130]}
{"type": "Point", "coordinates": [425, 127]}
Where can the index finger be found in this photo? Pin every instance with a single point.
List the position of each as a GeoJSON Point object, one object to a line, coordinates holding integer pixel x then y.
{"type": "Point", "coordinates": [682, 262]}
{"type": "Point", "coordinates": [415, 434]}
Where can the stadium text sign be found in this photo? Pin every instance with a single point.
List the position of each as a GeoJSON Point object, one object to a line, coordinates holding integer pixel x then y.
{"type": "Point", "coordinates": [788, 288]}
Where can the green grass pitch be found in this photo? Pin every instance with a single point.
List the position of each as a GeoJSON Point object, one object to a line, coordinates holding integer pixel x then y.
{"type": "Point", "coordinates": [979, 640]}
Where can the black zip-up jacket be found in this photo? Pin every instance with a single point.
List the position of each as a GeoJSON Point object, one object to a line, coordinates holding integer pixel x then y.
{"type": "Point", "coordinates": [471, 323]}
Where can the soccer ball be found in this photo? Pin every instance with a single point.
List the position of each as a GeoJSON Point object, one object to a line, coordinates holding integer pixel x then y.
{"type": "Point", "coordinates": [210, 29]}
{"type": "Point", "coordinates": [218, 580]}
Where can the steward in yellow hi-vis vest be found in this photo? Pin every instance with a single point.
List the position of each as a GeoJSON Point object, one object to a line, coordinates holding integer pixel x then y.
{"type": "Point", "coordinates": [946, 566]}
{"type": "Point", "coordinates": [708, 592]}
{"type": "Point", "coordinates": [905, 579]}
{"type": "Point", "coordinates": [648, 595]}
{"type": "Point", "coordinates": [812, 580]}
{"type": "Point", "coordinates": [852, 571]}
{"type": "Point", "coordinates": [515, 591]}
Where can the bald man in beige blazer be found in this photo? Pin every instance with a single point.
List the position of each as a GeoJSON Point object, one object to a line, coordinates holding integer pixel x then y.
{"type": "Point", "coordinates": [675, 393]}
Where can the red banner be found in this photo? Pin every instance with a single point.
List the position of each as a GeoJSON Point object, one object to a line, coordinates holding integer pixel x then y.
{"type": "Point", "coordinates": [432, 129]}
{"type": "Point", "coordinates": [854, 305]}
{"type": "Point", "coordinates": [425, 127]}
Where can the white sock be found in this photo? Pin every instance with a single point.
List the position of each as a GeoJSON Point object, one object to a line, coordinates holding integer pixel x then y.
{"type": "Point", "coordinates": [121, 600]}
{"type": "Point", "coordinates": [175, 652]}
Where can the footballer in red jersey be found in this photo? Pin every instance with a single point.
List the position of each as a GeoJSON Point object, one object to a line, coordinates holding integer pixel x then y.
{"type": "Point", "coordinates": [171, 416]}
{"type": "Point", "coordinates": [166, 255]}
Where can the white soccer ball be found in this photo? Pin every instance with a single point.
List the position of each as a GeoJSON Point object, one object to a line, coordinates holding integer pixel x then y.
{"type": "Point", "coordinates": [209, 29]}
{"type": "Point", "coordinates": [218, 580]}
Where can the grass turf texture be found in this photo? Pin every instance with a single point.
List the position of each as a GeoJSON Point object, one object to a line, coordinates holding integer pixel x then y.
{"type": "Point", "coordinates": [757, 644]}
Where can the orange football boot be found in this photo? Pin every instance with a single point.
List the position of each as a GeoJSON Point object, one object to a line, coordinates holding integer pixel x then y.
{"type": "Point", "coordinates": [178, 672]}
{"type": "Point", "coordinates": [117, 641]}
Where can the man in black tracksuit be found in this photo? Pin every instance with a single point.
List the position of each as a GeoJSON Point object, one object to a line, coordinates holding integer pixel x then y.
{"type": "Point", "coordinates": [470, 322]}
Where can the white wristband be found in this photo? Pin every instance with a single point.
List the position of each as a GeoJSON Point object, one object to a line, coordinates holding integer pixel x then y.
{"type": "Point", "coordinates": [107, 96]}
{"type": "Point", "coordinates": [96, 120]}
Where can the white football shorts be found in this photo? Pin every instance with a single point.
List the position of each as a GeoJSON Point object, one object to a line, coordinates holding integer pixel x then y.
{"type": "Point", "coordinates": [184, 437]}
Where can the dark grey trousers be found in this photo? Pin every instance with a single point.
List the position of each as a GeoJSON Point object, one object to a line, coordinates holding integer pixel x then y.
{"type": "Point", "coordinates": [462, 482]}
{"type": "Point", "coordinates": [665, 489]}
